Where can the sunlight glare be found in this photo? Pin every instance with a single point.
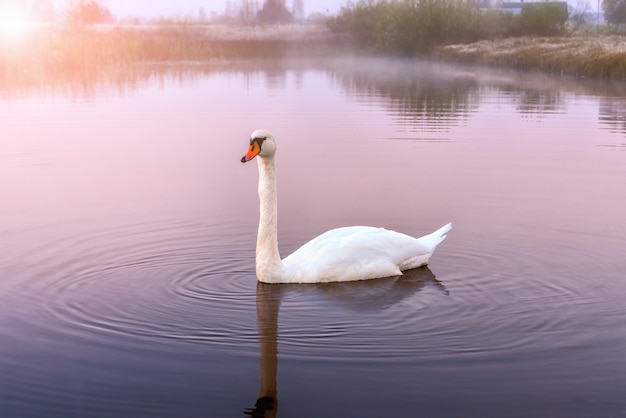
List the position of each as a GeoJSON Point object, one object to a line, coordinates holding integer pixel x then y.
{"type": "Point", "coordinates": [13, 21]}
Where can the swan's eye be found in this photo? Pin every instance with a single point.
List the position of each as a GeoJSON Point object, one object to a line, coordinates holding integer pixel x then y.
{"type": "Point", "coordinates": [258, 141]}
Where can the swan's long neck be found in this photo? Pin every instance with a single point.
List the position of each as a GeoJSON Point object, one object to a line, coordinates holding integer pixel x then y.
{"type": "Point", "coordinates": [269, 268]}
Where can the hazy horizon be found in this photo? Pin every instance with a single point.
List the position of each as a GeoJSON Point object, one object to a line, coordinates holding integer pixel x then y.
{"type": "Point", "coordinates": [158, 8]}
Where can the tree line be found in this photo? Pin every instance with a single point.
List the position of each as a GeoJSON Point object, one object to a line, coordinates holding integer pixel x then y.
{"type": "Point", "coordinates": [269, 12]}
{"type": "Point", "coordinates": [81, 12]}
{"type": "Point", "coordinates": [251, 11]}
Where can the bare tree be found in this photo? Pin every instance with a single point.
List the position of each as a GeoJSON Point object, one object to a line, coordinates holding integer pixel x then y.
{"type": "Point", "coordinates": [579, 14]}
{"type": "Point", "coordinates": [274, 11]}
{"type": "Point", "coordinates": [230, 10]}
{"type": "Point", "coordinates": [614, 11]}
{"type": "Point", "coordinates": [202, 16]}
{"type": "Point", "coordinates": [297, 9]}
{"type": "Point", "coordinates": [248, 11]}
{"type": "Point", "coordinates": [86, 12]}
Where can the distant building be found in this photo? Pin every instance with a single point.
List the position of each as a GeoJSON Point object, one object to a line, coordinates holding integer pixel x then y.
{"type": "Point", "coordinates": [516, 7]}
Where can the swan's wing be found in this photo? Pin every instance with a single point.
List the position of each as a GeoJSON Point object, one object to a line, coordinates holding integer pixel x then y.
{"type": "Point", "coordinates": [355, 253]}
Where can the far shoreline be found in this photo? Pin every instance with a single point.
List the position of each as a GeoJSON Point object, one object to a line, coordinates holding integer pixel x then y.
{"type": "Point", "coordinates": [65, 53]}
{"type": "Point", "coordinates": [597, 56]}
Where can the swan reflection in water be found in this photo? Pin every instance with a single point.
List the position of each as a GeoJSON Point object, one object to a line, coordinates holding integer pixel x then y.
{"type": "Point", "coordinates": [366, 295]}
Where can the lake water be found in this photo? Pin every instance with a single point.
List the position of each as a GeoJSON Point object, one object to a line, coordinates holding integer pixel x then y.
{"type": "Point", "coordinates": [128, 225]}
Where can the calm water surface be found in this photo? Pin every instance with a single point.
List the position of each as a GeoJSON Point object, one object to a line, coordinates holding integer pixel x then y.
{"type": "Point", "coordinates": [127, 231]}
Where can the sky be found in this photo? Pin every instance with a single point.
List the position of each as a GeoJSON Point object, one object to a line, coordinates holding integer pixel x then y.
{"type": "Point", "coordinates": [157, 8]}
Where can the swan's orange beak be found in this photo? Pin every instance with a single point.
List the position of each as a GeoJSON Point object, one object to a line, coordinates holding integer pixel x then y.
{"type": "Point", "coordinates": [253, 151]}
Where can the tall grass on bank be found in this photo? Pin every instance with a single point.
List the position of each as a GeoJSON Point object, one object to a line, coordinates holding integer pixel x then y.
{"type": "Point", "coordinates": [63, 53]}
{"type": "Point", "coordinates": [405, 25]}
{"type": "Point", "coordinates": [417, 26]}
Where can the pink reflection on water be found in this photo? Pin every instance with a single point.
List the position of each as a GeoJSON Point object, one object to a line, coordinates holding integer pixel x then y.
{"type": "Point", "coordinates": [171, 146]}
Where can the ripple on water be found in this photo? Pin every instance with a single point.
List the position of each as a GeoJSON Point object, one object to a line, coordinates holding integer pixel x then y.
{"type": "Point", "coordinates": [520, 296]}
{"type": "Point", "coordinates": [153, 284]}
{"type": "Point", "coordinates": [161, 284]}
{"type": "Point", "coordinates": [490, 301]}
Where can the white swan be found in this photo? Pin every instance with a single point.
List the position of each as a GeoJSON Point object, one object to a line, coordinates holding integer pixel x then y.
{"type": "Point", "coordinates": [339, 255]}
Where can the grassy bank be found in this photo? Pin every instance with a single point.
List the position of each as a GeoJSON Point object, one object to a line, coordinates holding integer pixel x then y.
{"type": "Point", "coordinates": [590, 56]}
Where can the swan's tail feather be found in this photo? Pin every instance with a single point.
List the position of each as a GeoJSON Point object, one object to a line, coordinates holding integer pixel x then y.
{"type": "Point", "coordinates": [434, 239]}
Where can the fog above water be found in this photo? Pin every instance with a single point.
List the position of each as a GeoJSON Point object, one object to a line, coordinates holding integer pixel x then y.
{"type": "Point", "coordinates": [413, 87]}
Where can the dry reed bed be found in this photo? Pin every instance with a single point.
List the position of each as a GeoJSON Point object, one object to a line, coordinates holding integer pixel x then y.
{"type": "Point", "coordinates": [593, 56]}
{"type": "Point", "coordinates": [62, 53]}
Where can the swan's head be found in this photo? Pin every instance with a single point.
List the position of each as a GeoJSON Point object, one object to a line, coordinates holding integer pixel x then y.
{"type": "Point", "coordinates": [262, 143]}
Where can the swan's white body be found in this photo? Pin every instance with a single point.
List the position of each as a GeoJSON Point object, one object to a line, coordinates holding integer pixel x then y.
{"type": "Point", "coordinates": [339, 255]}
